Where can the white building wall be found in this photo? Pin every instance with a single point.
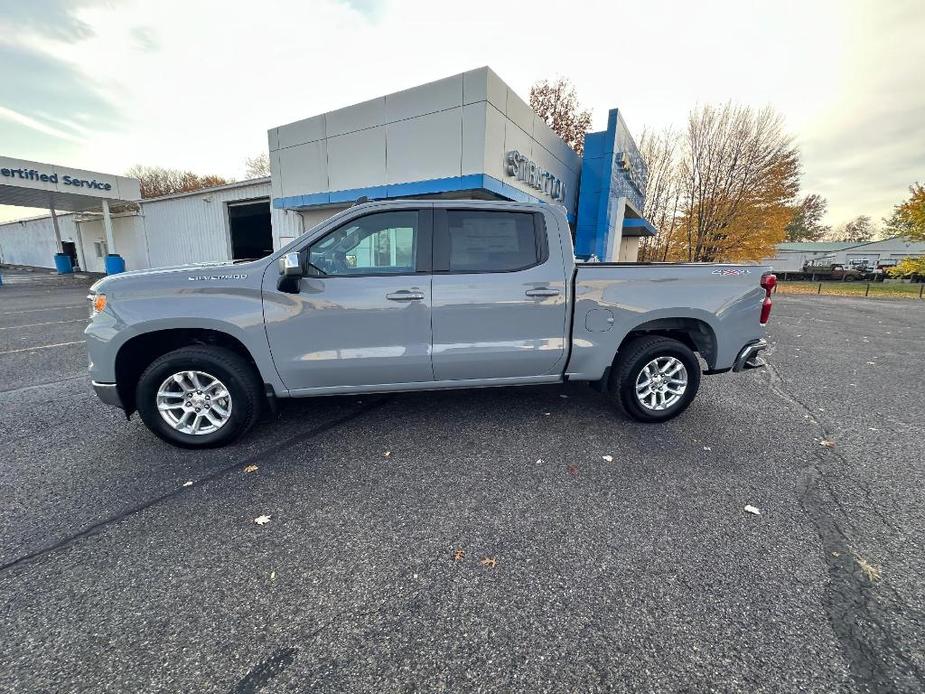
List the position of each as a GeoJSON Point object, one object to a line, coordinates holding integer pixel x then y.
{"type": "Point", "coordinates": [167, 231]}
{"type": "Point", "coordinates": [885, 252]}
{"type": "Point", "coordinates": [128, 233]}
{"type": "Point", "coordinates": [460, 125]}
{"type": "Point", "coordinates": [32, 241]}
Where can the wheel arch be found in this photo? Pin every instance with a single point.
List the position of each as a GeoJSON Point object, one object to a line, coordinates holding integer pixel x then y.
{"type": "Point", "coordinates": [694, 332]}
{"type": "Point", "coordinates": [138, 351]}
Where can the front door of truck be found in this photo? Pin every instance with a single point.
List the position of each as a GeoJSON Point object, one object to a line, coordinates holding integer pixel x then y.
{"type": "Point", "coordinates": [500, 300]}
{"type": "Point", "coordinates": [362, 313]}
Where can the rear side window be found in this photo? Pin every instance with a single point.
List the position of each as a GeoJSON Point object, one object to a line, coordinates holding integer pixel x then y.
{"type": "Point", "coordinates": [490, 241]}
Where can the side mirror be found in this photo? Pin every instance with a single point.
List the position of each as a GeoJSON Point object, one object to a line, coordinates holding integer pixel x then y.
{"type": "Point", "coordinates": [290, 265]}
{"type": "Point", "coordinates": [290, 272]}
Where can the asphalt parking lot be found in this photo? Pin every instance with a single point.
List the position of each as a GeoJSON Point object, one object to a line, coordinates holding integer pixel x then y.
{"type": "Point", "coordinates": [642, 574]}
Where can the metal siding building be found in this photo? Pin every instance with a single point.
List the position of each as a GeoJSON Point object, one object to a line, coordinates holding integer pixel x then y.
{"type": "Point", "coordinates": [172, 230]}
{"type": "Point", "coordinates": [791, 257]}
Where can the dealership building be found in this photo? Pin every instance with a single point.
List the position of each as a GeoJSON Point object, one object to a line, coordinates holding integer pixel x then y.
{"type": "Point", "coordinates": [465, 136]}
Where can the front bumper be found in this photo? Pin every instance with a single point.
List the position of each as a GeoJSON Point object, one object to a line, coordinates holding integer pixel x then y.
{"type": "Point", "coordinates": [748, 358]}
{"type": "Point", "coordinates": [108, 393]}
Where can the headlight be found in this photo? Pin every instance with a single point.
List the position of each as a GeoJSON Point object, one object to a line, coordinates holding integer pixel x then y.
{"type": "Point", "coordinates": [97, 303]}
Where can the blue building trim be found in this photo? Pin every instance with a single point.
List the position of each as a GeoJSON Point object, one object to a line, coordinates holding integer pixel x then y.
{"type": "Point", "coordinates": [606, 187]}
{"type": "Point", "coordinates": [639, 223]}
{"type": "Point", "coordinates": [411, 189]}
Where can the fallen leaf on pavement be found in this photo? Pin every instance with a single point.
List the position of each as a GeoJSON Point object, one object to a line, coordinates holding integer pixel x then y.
{"type": "Point", "coordinates": [826, 443]}
{"type": "Point", "coordinates": [459, 554]}
{"type": "Point", "coordinates": [489, 562]}
{"type": "Point", "coordinates": [188, 483]}
{"type": "Point", "coordinates": [262, 520]}
{"type": "Point", "coordinates": [251, 468]}
{"type": "Point", "coordinates": [872, 572]}
{"type": "Point", "coordinates": [607, 458]}
{"type": "Point", "coordinates": [272, 575]}
{"type": "Point", "coordinates": [563, 395]}
{"type": "Point", "coordinates": [387, 454]}
{"type": "Point", "coordinates": [572, 470]}
{"type": "Point", "coordinates": [707, 448]}
{"type": "Point", "coordinates": [539, 461]}
{"type": "Point", "coordinates": [752, 509]}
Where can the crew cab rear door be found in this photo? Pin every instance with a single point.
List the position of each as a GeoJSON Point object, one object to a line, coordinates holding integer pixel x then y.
{"type": "Point", "coordinates": [362, 313]}
{"type": "Point", "coordinates": [500, 298]}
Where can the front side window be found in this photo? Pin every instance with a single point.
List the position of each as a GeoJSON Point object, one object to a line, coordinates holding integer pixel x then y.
{"type": "Point", "coordinates": [380, 243]}
{"type": "Point", "coordinates": [489, 241]}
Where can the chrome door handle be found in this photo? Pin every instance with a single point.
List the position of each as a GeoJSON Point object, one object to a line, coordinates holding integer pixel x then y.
{"type": "Point", "coordinates": [543, 291]}
{"type": "Point", "coordinates": [405, 295]}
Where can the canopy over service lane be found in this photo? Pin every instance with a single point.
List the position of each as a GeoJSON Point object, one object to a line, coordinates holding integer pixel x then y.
{"type": "Point", "coordinates": [58, 188]}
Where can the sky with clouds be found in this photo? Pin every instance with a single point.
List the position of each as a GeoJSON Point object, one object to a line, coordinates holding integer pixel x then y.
{"type": "Point", "coordinates": [105, 84]}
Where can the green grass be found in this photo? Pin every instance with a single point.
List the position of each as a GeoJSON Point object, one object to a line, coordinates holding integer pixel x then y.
{"type": "Point", "coordinates": [877, 289]}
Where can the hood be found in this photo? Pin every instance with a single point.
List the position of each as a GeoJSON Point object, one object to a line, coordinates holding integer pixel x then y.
{"type": "Point", "coordinates": [198, 270]}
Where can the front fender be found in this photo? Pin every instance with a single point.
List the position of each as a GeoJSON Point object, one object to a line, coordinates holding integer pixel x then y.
{"type": "Point", "coordinates": [236, 311]}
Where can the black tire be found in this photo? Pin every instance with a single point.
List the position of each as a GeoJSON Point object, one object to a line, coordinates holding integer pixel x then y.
{"type": "Point", "coordinates": [237, 374]}
{"type": "Point", "coordinates": [629, 364]}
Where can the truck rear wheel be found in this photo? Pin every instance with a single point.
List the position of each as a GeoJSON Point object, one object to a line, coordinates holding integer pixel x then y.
{"type": "Point", "coordinates": [199, 397]}
{"type": "Point", "coordinates": [654, 378]}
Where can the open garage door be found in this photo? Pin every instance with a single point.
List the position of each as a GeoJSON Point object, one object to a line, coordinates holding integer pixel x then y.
{"type": "Point", "coordinates": [250, 228]}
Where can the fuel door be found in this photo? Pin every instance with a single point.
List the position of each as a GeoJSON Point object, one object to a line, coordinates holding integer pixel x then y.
{"type": "Point", "coordinates": [599, 320]}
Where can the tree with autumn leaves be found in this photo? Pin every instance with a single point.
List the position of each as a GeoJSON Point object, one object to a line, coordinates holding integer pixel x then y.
{"type": "Point", "coordinates": [908, 219]}
{"type": "Point", "coordinates": [157, 180]}
{"type": "Point", "coordinates": [723, 189]}
{"type": "Point", "coordinates": [556, 102]}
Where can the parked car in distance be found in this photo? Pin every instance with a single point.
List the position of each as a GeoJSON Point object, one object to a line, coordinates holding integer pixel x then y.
{"type": "Point", "coordinates": [835, 271]}
{"type": "Point", "coordinates": [416, 295]}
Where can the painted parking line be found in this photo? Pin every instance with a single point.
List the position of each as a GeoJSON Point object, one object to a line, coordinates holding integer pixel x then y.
{"type": "Point", "coordinates": [53, 308]}
{"type": "Point", "coordinates": [54, 322]}
{"type": "Point", "coordinates": [32, 349]}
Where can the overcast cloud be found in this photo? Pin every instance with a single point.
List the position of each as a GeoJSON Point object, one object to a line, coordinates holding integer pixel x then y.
{"type": "Point", "coordinates": [184, 83]}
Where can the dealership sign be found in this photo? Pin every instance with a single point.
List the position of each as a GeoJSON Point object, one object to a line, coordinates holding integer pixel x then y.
{"type": "Point", "coordinates": [520, 167]}
{"type": "Point", "coordinates": [40, 177]}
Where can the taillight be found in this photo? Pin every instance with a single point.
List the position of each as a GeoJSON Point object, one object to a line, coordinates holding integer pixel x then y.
{"type": "Point", "coordinates": [765, 310]}
{"type": "Point", "coordinates": [768, 282]}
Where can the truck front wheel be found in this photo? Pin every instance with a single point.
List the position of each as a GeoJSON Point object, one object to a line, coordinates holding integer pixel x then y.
{"type": "Point", "coordinates": [199, 396]}
{"type": "Point", "coordinates": [654, 378]}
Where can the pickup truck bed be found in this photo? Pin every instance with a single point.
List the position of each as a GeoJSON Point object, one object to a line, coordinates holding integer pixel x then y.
{"type": "Point", "coordinates": [716, 306]}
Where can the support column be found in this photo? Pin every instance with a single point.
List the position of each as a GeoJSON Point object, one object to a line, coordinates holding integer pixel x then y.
{"type": "Point", "coordinates": [615, 232]}
{"type": "Point", "coordinates": [81, 251]}
{"type": "Point", "coordinates": [54, 222]}
{"type": "Point", "coordinates": [62, 262]}
{"type": "Point", "coordinates": [114, 261]}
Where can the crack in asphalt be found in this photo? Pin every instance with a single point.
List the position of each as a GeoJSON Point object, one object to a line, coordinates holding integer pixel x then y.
{"type": "Point", "coordinates": [860, 614]}
{"type": "Point", "coordinates": [36, 386]}
{"type": "Point", "coordinates": [211, 477]}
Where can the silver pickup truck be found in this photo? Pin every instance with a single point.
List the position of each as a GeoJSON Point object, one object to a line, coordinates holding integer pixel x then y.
{"type": "Point", "coordinates": [416, 295]}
